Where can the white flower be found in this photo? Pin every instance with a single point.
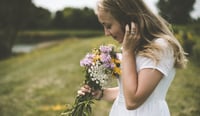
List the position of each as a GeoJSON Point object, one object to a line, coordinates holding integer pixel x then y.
{"type": "Point", "coordinates": [99, 74]}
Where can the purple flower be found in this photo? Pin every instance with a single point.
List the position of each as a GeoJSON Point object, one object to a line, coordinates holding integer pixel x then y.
{"type": "Point", "coordinates": [109, 65]}
{"type": "Point", "coordinates": [87, 61]}
{"type": "Point", "coordinates": [105, 49]}
{"type": "Point", "coordinates": [105, 58]}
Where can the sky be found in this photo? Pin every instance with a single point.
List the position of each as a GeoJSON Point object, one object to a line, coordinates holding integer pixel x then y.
{"type": "Point", "coordinates": [55, 5]}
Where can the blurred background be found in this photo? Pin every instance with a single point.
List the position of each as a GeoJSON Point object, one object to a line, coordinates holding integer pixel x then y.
{"type": "Point", "coordinates": [42, 42]}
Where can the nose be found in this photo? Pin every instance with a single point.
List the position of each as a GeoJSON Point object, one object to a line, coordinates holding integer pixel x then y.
{"type": "Point", "coordinates": [107, 32]}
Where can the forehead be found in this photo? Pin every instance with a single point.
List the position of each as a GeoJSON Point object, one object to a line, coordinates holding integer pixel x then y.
{"type": "Point", "coordinates": [104, 16]}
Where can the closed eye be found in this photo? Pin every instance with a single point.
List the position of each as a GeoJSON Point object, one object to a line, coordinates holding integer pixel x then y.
{"type": "Point", "coordinates": [107, 26]}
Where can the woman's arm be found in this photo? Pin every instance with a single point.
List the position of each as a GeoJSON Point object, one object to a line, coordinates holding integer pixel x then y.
{"type": "Point", "coordinates": [110, 94]}
{"type": "Point", "coordinates": [137, 86]}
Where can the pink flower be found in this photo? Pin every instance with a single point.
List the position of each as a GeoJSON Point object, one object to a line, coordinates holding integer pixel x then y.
{"type": "Point", "coordinates": [105, 49]}
{"type": "Point", "coordinates": [87, 61]}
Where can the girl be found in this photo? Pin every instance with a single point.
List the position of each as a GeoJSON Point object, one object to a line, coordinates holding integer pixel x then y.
{"type": "Point", "coordinates": [150, 56]}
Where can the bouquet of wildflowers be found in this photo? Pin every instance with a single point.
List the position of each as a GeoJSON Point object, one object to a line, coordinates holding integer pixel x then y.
{"type": "Point", "coordinates": [100, 65]}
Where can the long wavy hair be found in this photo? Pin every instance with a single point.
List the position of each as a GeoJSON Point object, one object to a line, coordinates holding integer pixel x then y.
{"type": "Point", "coordinates": [150, 26]}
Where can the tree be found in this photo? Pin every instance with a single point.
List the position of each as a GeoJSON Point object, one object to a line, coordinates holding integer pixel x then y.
{"type": "Point", "coordinates": [176, 11]}
{"type": "Point", "coordinates": [75, 18]}
{"type": "Point", "coordinates": [40, 19]}
{"type": "Point", "coordinates": [14, 14]}
{"type": "Point", "coordinates": [58, 21]}
{"type": "Point", "coordinates": [89, 16]}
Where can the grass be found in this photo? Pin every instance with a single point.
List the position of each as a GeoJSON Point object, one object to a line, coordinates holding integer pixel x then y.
{"type": "Point", "coordinates": [42, 82]}
{"type": "Point", "coordinates": [184, 94]}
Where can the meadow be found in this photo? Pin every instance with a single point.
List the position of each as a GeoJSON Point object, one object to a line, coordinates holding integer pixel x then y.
{"type": "Point", "coordinates": [42, 82]}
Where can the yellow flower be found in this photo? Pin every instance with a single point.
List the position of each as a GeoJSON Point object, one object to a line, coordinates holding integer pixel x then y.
{"type": "Point", "coordinates": [97, 57]}
{"type": "Point", "coordinates": [117, 70]}
{"type": "Point", "coordinates": [117, 61]}
{"type": "Point", "coordinates": [58, 107]}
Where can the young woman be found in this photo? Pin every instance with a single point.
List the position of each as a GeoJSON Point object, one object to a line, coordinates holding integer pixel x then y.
{"type": "Point", "coordinates": [150, 56]}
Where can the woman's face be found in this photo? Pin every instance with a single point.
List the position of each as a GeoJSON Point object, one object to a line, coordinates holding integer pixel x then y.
{"type": "Point", "coordinates": [111, 26]}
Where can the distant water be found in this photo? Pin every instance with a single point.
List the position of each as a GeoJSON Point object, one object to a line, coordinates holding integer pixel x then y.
{"type": "Point", "coordinates": [21, 48]}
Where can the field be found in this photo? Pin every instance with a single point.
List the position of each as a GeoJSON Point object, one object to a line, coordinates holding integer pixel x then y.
{"type": "Point", "coordinates": [42, 82]}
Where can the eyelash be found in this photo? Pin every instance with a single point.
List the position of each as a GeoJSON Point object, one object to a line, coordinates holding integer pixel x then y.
{"type": "Point", "coordinates": [108, 27]}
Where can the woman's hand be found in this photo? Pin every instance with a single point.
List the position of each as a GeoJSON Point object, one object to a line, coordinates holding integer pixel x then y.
{"type": "Point", "coordinates": [131, 38]}
{"type": "Point", "coordinates": [98, 94]}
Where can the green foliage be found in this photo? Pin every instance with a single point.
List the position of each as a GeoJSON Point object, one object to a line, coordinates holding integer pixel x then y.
{"type": "Point", "coordinates": [187, 40]}
{"type": "Point", "coordinates": [74, 18]}
{"type": "Point", "coordinates": [179, 12]}
{"type": "Point", "coordinates": [196, 54]}
{"type": "Point", "coordinates": [81, 107]}
{"type": "Point", "coordinates": [16, 15]}
{"type": "Point", "coordinates": [40, 19]}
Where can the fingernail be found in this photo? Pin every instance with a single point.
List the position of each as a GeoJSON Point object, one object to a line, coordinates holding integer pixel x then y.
{"type": "Point", "coordinates": [127, 27]}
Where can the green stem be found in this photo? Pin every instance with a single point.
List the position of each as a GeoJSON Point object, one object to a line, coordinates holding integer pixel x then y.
{"type": "Point", "coordinates": [81, 107]}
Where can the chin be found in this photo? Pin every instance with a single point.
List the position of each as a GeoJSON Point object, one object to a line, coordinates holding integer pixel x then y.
{"type": "Point", "coordinates": [120, 41]}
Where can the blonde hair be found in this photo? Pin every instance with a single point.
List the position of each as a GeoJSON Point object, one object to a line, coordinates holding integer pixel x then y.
{"type": "Point", "coordinates": [150, 27]}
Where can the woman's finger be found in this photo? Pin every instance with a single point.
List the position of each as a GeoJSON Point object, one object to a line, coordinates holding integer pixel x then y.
{"type": "Point", "coordinates": [133, 29]}
{"type": "Point", "coordinates": [127, 31]}
{"type": "Point", "coordinates": [86, 89]}
{"type": "Point", "coordinates": [133, 26]}
{"type": "Point", "coordinates": [80, 92]}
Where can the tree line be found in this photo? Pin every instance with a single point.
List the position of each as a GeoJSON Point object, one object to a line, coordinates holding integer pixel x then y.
{"type": "Point", "coordinates": [16, 15]}
{"type": "Point", "coordinates": [69, 18]}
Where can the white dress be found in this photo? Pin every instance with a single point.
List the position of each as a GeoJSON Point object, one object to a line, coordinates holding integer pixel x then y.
{"type": "Point", "coordinates": [155, 105]}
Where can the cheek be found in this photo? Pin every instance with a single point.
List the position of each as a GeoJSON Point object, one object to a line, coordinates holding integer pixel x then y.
{"type": "Point", "coordinates": [121, 35]}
